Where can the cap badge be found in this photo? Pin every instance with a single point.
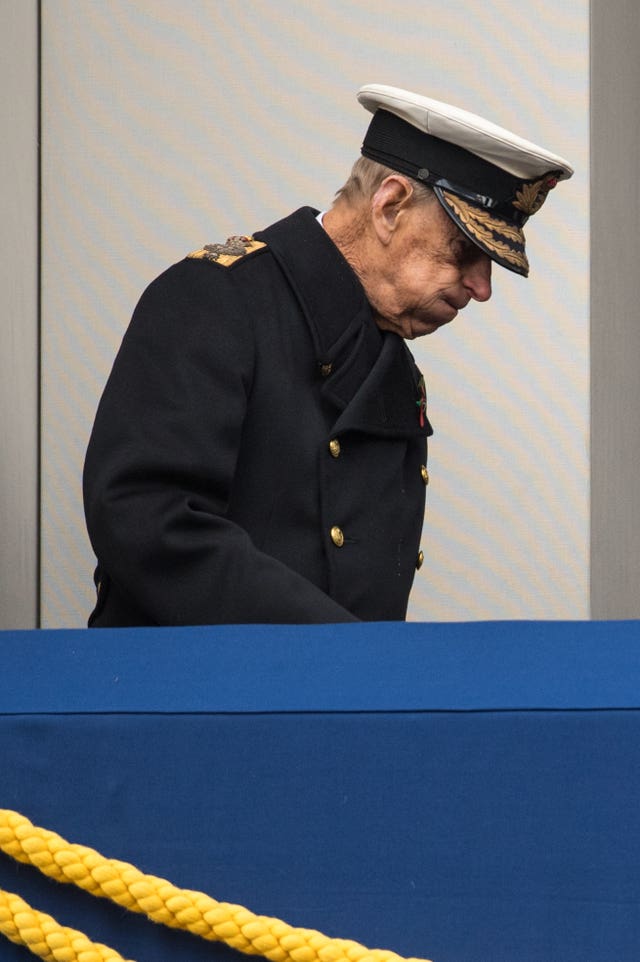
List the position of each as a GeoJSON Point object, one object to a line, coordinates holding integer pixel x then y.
{"type": "Point", "coordinates": [531, 197]}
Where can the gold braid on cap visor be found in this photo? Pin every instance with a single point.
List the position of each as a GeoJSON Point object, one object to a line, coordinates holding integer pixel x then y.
{"type": "Point", "coordinates": [493, 235]}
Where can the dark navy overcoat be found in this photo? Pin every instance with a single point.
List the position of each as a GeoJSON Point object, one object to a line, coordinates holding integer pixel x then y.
{"type": "Point", "coordinates": [259, 452]}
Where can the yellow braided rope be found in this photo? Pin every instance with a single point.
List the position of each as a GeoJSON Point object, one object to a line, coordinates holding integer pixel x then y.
{"type": "Point", "coordinates": [47, 938]}
{"type": "Point", "coordinates": [178, 908]}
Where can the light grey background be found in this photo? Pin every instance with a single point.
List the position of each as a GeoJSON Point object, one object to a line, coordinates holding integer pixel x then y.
{"type": "Point", "coordinates": [169, 125]}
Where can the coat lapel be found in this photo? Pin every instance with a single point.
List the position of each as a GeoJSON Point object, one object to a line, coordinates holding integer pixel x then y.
{"type": "Point", "coordinates": [390, 400]}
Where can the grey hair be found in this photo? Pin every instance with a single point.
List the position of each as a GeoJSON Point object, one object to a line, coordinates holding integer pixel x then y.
{"type": "Point", "coordinates": [367, 175]}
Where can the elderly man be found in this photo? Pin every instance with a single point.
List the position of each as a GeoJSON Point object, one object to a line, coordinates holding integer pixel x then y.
{"type": "Point", "coordinates": [259, 453]}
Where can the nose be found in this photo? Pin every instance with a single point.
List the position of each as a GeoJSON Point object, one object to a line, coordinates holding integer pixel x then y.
{"type": "Point", "coordinates": [477, 279]}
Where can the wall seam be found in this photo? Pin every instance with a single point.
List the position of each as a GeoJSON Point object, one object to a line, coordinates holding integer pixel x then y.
{"type": "Point", "coordinates": [39, 324]}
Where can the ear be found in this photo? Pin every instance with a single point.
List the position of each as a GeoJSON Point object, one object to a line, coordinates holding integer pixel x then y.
{"type": "Point", "coordinates": [389, 205]}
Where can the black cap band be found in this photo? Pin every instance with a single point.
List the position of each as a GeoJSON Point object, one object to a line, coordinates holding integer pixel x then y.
{"type": "Point", "coordinates": [402, 147]}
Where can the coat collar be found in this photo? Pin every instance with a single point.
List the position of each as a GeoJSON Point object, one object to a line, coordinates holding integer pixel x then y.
{"type": "Point", "coordinates": [374, 381]}
{"type": "Point", "coordinates": [330, 294]}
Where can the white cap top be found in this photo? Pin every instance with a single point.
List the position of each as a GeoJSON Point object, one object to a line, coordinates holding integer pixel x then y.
{"type": "Point", "coordinates": [494, 144]}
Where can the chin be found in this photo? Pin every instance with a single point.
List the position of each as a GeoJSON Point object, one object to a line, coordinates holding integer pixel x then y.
{"type": "Point", "coordinates": [422, 328]}
{"type": "Point", "coordinates": [410, 328]}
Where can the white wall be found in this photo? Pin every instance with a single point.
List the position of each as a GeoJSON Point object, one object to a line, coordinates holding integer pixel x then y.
{"type": "Point", "coordinates": [169, 125]}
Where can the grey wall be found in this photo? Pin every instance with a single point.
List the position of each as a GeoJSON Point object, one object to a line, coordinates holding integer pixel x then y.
{"type": "Point", "coordinates": [19, 314]}
{"type": "Point", "coordinates": [615, 311]}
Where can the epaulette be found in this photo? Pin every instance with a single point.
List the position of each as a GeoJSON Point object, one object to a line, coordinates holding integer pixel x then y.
{"type": "Point", "coordinates": [234, 248]}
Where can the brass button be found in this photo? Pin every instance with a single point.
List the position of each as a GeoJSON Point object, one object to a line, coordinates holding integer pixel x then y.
{"type": "Point", "coordinates": [424, 473]}
{"type": "Point", "coordinates": [337, 536]}
{"type": "Point", "coordinates": [325, 369]}
{"type": "Point", "coordinates": [334, 448]}
{"type": "Point", "coordinates": [419, 560]}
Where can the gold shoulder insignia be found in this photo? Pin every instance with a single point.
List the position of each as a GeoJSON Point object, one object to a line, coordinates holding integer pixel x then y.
{"type": "Point", "coordinates": [228, 253]}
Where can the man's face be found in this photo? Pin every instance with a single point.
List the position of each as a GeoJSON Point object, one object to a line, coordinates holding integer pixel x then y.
{"type": "Point", "coordinates": [430, 271]}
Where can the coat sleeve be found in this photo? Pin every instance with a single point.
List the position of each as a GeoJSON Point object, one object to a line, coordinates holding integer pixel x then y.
{"type": "Point", "coordinates": [161, 460]}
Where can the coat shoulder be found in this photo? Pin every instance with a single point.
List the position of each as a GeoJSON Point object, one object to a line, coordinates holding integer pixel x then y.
{"type": "Point", "coordinates": [235, 249]}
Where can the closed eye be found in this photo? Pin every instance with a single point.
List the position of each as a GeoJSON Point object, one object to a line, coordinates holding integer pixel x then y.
{"type": "Point", "coordinates": [465, 251]}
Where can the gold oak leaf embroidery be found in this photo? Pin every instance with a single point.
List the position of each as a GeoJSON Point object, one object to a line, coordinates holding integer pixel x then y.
{"type": "Point", "coordinates": [485, 228]}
